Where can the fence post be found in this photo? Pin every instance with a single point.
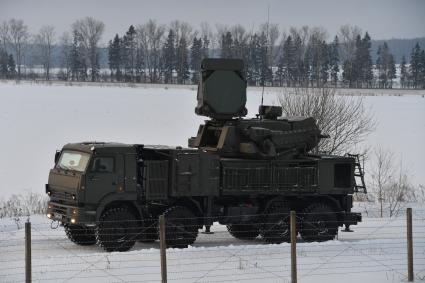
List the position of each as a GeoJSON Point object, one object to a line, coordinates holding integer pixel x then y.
{"type": "Point", "coordinates": [409, 245]}
{"type": "Point", "coordinates": [163, 246]}
{"type": "Point", "coordinates": [28, 252]}
{"type": "Point", "coordinates": [293, 223]}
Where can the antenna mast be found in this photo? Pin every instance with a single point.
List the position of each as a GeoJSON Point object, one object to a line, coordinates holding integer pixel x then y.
{"type": "Point", "coordinates": [267, 49]}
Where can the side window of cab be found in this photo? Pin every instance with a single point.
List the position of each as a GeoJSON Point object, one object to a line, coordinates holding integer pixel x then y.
{"type": "Point", "coordinates": [103, 164]}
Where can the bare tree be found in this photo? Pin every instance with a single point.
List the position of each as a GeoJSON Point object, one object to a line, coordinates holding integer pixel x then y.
{"type": "Point", "coordinates": [382, 172]}
{"type": "Point", "coordinates": [4, 35]}
{"type": "Point", "coordinates": [398, 192]}
{"type": "Point", "coordinates": [65, 57]}
{"type": "Point", "coordinates": [90, 32]}
{"type": "Point", "coordinates": [150, 36]}
{"type": "Point", "coordinates": [390, 184]}
{"type": "Point", "coordinates": [347, 36]}
{"type": "Point", "coordinates": [45, 40]}
{"type": "Point", "coordinates": [344, 118]}
{"type": "Point", "coordinates": [19, 36]}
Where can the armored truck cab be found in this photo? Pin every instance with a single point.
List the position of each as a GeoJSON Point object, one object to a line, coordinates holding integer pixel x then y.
{"type": "Point", "coordinates": [244, 173]}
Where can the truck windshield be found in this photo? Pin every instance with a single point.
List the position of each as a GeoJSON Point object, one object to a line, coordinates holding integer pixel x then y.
{"type": "Point", "coordinates": [73, 160]}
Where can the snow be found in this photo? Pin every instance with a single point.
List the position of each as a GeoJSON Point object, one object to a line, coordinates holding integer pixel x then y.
{"type": "Point", "coordinates": [374, 252]}
{"type": "Point", "coordinates": [37, 119]}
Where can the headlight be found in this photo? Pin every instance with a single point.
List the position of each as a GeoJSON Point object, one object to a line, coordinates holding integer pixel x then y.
{"type": "Point", "coordinates": [49, 215]}
{"type": "Point", "coordinates": [73, 221]}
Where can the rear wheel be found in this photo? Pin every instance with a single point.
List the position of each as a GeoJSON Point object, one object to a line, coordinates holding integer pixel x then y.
{"type": "Point", "coordinates": [117, 230]}
{"type": "Point", "coordinates": [319, 223]}
{"type": "Point", "coordinates": [80, 235]}
{"type": "Point", "coordinates": [243, 231]}
{"type": "Point", "coordinates": [276, 226]}
{"type": "Point", "coordinates": [181, 227]}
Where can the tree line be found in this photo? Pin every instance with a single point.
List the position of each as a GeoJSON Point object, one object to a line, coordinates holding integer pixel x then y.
{"type": "Point", "coordinates": [156, 53]}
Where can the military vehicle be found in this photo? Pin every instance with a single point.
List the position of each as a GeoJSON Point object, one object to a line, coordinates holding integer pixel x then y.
{"type": "Point", "coordinates": [246, 173]}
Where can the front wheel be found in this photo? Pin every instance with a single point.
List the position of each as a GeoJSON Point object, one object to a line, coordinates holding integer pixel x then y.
{"type": "Point", "coordinates": [81, 235]}
{"type": "Point", "coordinates": [117, 230]}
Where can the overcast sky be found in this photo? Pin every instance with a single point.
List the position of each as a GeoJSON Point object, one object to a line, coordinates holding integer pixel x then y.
{"type": "Point", "coordinates": [383, 19]}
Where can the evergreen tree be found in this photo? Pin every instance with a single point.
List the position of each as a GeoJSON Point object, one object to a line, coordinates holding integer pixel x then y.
{"type": "Point", "coordinates": [300, 73]}
{"type": "Point", "coordinates": [357, 75]}
{"type": "Point", "coordinates": [334, 61]}
{"type": "Point", "coordinates": [422, 69]}
{"type": "Point", "coordinates": [129, 54]}
{"type": "Point", "coordinates": [386, 66]}
{"type": "Point", "coordinates": [169, 54]}
{"type": "Point", "coordinates": [404, 73]}
{"type": "Point", "coordinates": [288, 61]}
{"type": "Point", "coordinates": [4, 57]}
{"type": "Point", "coordinates": [227, 45]}
{"type": "Point", "coordinates": [415, 65]}
{"type": "Point", "coordinates": [366, 61]}
{"type": "Point", "coordinates": [196, 57]}
{"type": "Point", "coordinates": [114, 57]}
{"type": "Point", "coordinates": [264, 68]}
{"type": "Point", "coordinates": [325, 63]}
{"type": "Point", "coordinates": [11, 67]}
{"type": "Point", "coordinates": [391, 70]}
{"type": "Point", "coordinates": [182, 61]}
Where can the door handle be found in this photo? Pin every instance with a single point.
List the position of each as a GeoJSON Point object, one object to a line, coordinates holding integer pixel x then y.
{"type": "Point", "coordinates": [93, 178]}
{"type": "Point", "coordinates": [114, 183]}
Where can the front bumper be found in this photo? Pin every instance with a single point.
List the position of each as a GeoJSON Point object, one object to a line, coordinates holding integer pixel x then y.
{"type": "Point", "coordinates": [69, 214]}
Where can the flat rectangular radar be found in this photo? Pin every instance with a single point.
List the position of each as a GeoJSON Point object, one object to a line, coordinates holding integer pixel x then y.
{"type": "Point", "coordinates": [222, 89]}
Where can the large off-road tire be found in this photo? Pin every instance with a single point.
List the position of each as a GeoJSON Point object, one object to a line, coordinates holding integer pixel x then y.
{"type": "Point", "coordinates": [276, 223]}
{"type": "Point", "coordinates": [81, 235]}
{"type": "Point", "coordinates": [319, 223]}
{"type": "Point", "coordinates": [181, 227]}
{"type": "Point", "coordinates": [243, 231]}
{"type": "Point", "coordinates": [117, 229]}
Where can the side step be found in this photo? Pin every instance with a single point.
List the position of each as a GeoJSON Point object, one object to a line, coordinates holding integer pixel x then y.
{"type": "Point", "coordinates": [360, 186]}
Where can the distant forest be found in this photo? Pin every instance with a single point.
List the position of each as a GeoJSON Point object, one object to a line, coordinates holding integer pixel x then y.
{"type": "Point", "coordinates": [156, 53]}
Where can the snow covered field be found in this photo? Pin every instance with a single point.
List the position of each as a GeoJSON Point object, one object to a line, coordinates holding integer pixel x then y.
{"type": "Point", "coordinates": [35, 120]}
{"type": "Point", "coordinates": [374, 252]}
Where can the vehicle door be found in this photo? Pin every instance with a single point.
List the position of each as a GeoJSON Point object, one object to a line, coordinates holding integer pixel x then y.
{"type": "Point", "coordinates": [105, 176]}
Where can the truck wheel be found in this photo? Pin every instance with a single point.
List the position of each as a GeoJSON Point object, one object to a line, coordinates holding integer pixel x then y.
{"type": "Point", "coordinates": [181, 227]}
{"type": "Point", "coordinates": [117, 230]}
{"type": "Point", "coordinates": [319, 223]}
{"type": "Point", "coordinates": [243, 231]}
{"type": "Point", "coordinates": [83, 236]}
{"type": "Point", "coordinates": [276, 228]}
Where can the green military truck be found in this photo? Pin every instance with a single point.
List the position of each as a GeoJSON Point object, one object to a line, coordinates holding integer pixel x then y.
{"type": "Point", "coordinates": [246, 173]}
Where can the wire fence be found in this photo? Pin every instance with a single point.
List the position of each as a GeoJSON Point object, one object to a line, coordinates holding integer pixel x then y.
{"type": "Point", "coordinates": [243, 252]}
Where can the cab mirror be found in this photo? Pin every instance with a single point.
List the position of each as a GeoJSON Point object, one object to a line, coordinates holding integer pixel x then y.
{"type": "Point", "coordinates": [57, 155]}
